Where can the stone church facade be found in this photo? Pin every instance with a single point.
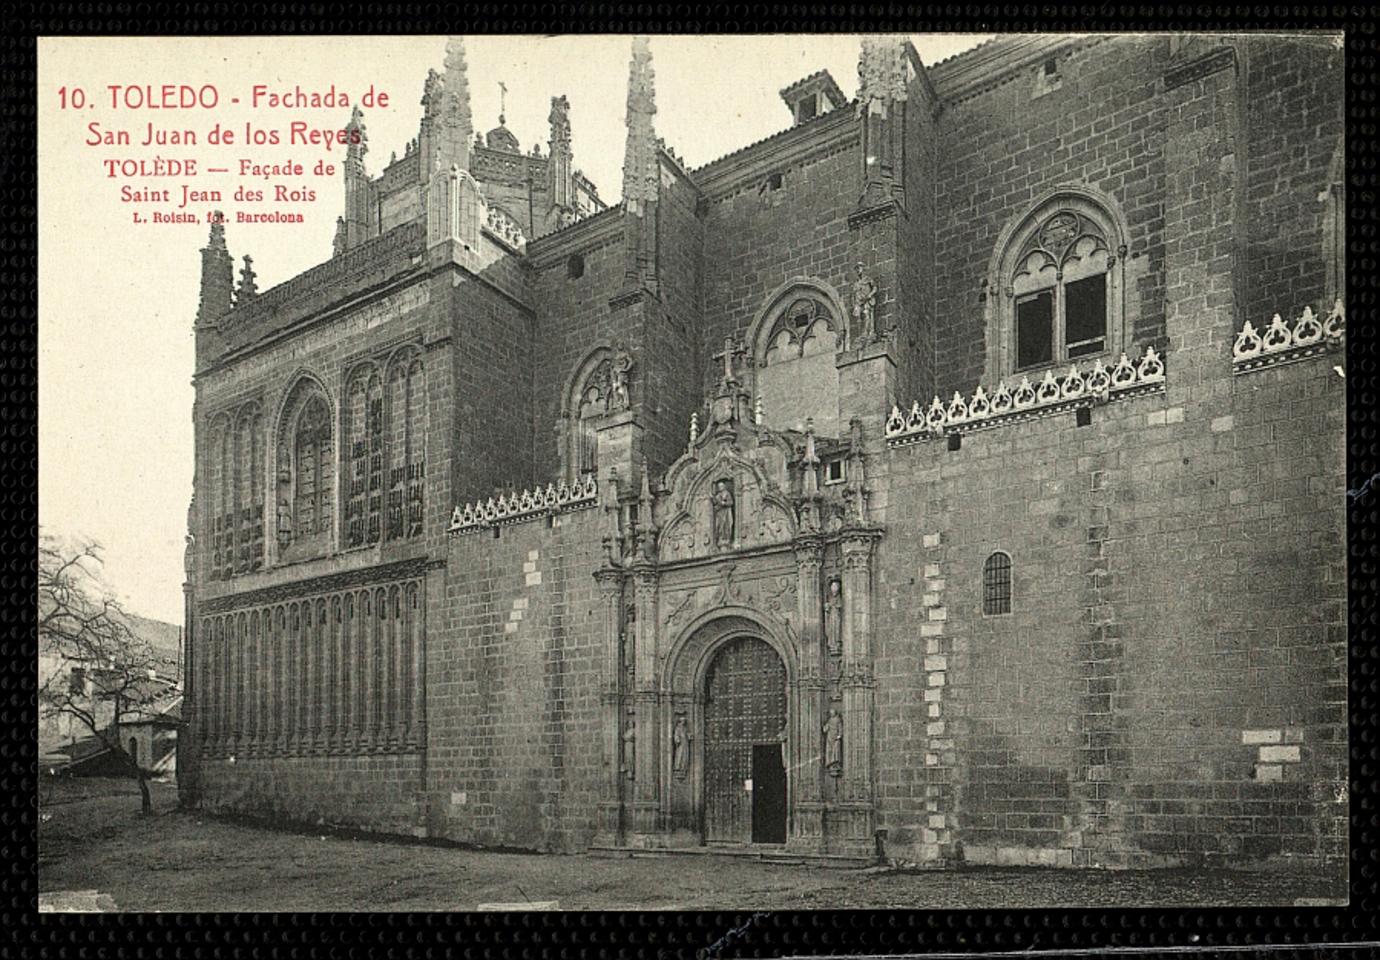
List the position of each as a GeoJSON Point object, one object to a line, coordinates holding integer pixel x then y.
{"type": "Point", "coordinates": [957, 474]}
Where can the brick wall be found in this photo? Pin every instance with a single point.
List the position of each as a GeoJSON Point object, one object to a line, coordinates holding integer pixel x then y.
{"type": "Point", "coordinates": [1295, 117]}
{"type": "Point", "coordinates": [574, 319]}
{"type": "Point", "coordinates": [755, 241]}
{"type": "Point", "coordinates": [378, 793]}
{"type": "Point", "coordinates": [492, 348]}
{"type": "Point", "coordinates": [515, 753]}
{"type": "Point", "coordinates": [1170, 684]}
{"type": "Point", "coordinates": [915, 273]}
{"type": "Point", "coordinates": [674, 352]}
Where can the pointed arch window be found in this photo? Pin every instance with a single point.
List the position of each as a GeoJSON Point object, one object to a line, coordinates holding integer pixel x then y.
{"type": "Point", "coordinates": [311, 510]}
{"type": "Point", "coordinates": [589, 397]}
{"type": "Point", "coordinates": [249, 489]}
{"type": "Point", "coordinates": [385, 447]}
{"type": "Point", "coordinates": [793, 345]}
{"type": "Point", "coordinates": [1059, 275]}
{"type": "Point", "coordinates": [406, 464]}
{"type": "Point", "coordinates": [306, 473]}
{"type": "Point", "coordinates": [365, 436]}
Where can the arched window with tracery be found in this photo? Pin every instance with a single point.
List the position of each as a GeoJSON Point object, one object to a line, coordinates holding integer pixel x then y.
{"type": "Point", "coordinates": [249, 489]}
{"type": "Point", "coordinates": [1059, 288]}
{"type": "Point", "coordinates": [220, 497]}
{"type": "Point", "coordinates": [589, 397]}
{"type": "Point", "coordinates": [794, 346]}
{"type": "Point", "coordinates": [406, 461]}
{"type": "Point", "coordinates": [365, 438]}
{"type": "Point", "coordinates": [306, 472]}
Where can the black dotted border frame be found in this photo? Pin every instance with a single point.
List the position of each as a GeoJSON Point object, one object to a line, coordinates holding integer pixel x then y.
{"type": "Point", "coordinates": [1292, 931]}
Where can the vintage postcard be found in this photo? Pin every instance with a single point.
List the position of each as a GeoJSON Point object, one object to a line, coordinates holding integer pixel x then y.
{"type": "Point", "coordinates": [682, 472]}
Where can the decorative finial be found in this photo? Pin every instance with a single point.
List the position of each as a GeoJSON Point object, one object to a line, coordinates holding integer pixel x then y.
{"type": "Point", "coordinates": [248, 283]}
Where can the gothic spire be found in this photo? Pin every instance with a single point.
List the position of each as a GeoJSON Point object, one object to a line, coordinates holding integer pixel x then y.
{"type": "Point", "coordinates": [217, 276]}
{"type": "Point", "coordinates": [881, 73]}
{"type": "Point", "coordinates": [356, 138]}
{"type": "Point", "coordinates": [639, 159]}
{"type": "Point", "coordinates": [453, 128]}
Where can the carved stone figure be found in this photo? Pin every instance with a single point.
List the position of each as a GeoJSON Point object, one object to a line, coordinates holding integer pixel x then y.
{"type": "Point", "coordinates": [864, 306]}
{"type": "Point", "coordinates": [680, 748]}
{"type": "Point", "coordinates": [833, 743]}
{"type": "Point", "coordinates": [629, 748]}
{"type": "Point", "coordinates": [620, 398]}
{"type": "Point", "coordinates": [723, 515]}
{"type": "Point", "coordinates": [189, 558]}
{"type": "Point", "coordinates": [833, 617]}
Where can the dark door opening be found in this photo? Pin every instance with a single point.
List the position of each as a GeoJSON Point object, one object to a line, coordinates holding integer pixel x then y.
{"type": "Point", "coordinates": [768, 794]}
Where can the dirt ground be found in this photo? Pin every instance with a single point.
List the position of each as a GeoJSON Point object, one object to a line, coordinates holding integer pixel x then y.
{"type": "Point", "coordinates": [92, 837]}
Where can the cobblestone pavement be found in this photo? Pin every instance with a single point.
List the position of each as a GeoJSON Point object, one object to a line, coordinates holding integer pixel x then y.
{"type": "Point", "coordinates": [175, 860]}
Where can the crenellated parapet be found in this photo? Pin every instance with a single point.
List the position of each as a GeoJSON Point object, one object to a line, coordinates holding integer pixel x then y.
{"type": "Point", "coordinates": [525, 506]}
{"type": "Point", "coordinates": [1028, 401]}
{"type": "Point", "coordinates": [1309, 336]}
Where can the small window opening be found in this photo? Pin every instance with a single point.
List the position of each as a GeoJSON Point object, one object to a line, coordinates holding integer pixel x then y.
{"type": "Point", "coordinates": [575, 266]}
{"type": "Point", "coordinates": [955, 441]}
{"type": "Point", "coordinates": [834, 471]}
{"type": "Point", "coordinates": [1083, 416]}
{"type": "Point", "coordinates": [774, 181]}
{"type": "Point", "coordinates": [1051, 67]}
{"type": "Point", "coordinates": [996, 585]}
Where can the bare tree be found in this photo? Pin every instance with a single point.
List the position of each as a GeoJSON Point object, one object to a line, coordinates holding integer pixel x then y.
{"type": "Point", "coordinates": [106, 671]}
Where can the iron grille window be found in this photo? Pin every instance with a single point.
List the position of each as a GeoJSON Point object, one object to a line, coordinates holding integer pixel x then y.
{"type": "Point", "coordinates": [996, 585]}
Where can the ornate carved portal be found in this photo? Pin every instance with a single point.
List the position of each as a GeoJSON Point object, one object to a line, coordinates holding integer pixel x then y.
{"type": "Point", "coordinates": [739, 698]}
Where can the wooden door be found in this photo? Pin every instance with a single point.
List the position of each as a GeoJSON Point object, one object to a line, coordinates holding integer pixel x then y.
{"type": "Point", "coordinates": [745, 707]}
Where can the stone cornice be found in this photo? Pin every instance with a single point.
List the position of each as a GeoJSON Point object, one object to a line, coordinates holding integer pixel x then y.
{"type": "Point", "coordinates": [792, 145]}
{"type": "Point", "coordinates": [592, 232]}
{"type": "Point", "coordinates": [1199, 67]}
{"type": "Point", "coordinates": [314, 586]}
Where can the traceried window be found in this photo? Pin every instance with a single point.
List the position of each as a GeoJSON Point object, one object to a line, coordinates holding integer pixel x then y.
{"type": "Point", "coordinates": [1060, 283]}
{"type": "Point", "coordinates": [1060, 290]}
{"type": "Point", "coordinates": [796, 379]}
{"type": "Point", "coordinates": [249, 489]}
{"type": "Point", "coordinates": [599, 387]}
{"type": "Point", "coordinates": [364, 439]}
{"type": "Point", "coordinates": [385, 451]}
{"type": "Point", "coordinates": [235, 492]}
{"type": "Point", "coordinates": [305, 496]}
{"type": "Point", "coordinates": [996, 585]}
{"type": "Point", "coordinates": [406, 465]}
{"type": "Point", "coordinates": [311, 508]}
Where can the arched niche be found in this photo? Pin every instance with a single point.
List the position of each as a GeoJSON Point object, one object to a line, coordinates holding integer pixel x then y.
{"type": "Point", "coordinates": [793, 343]}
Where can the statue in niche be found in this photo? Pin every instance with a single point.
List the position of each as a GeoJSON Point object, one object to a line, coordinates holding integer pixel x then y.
{"type": "Point", "coordinates": [629, 746]}
{"type": "Point", "coordinates": [833, 743]}
{"type": "Point", "coordinates": [864, 306]}
{"type": "Point", "coordinates": [619, 396]}
{"type": "Point", "coordinates": [189, 558]}
{"type": "Point", "coordinates": [833, 617]}
{"type": "Point", "coordinates": [680, 748]}
{"type": "Point", "coordinates": [723, 515]}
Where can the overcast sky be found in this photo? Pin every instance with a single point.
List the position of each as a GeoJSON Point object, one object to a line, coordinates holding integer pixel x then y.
{"type": "Point", "coordinates": [117, 301]}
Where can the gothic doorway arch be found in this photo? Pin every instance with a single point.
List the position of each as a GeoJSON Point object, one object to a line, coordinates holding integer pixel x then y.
{"type": "Point", "coordinates": [744, 736]}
